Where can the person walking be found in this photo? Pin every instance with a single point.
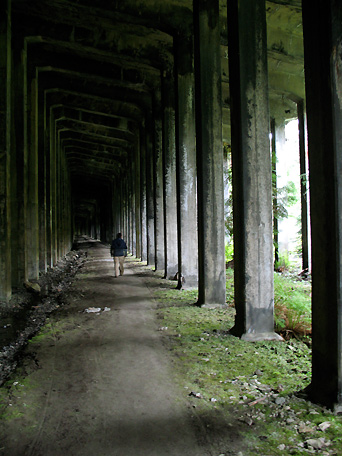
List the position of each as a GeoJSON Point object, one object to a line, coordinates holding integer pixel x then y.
{"type": "Point", "coordinates": [118, 250]}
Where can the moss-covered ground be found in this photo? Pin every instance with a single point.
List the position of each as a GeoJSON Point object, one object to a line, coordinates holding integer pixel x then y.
{"type": "Point", "coordinates": [255, 383]}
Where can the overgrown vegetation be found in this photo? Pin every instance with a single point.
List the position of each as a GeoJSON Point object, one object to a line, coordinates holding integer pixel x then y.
{"type": "Point", "coordinates": [252, 387]}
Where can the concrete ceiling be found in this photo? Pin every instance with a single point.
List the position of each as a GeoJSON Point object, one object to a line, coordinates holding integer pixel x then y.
{"type": "Point", "coordinates": [100, 67]}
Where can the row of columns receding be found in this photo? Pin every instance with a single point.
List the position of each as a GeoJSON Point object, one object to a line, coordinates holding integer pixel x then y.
{"type": "Point", "coordinates": [173, 213]}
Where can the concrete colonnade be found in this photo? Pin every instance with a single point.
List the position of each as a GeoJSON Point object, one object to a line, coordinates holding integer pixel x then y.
{"type": "Point", "coordinates": [159, 179]}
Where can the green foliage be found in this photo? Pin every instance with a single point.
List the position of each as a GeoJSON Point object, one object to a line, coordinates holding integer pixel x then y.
{"type": "Point", "coordinates": [229, 251]}
{"type": "Point", "coordinates": [283, 198]}
{"type": "Point", "coordinates": [292, 305]}
{"type": "Point", "coordinates": [228, 182]}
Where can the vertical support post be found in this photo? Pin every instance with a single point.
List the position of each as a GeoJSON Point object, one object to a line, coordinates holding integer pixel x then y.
{"type": "Point", "coordinates": [30, 115]}
{"type": "Point", "coordinates": [143, 193]}
{"type": "Point", "coordinates": [303, 186]}
{"type": "Point", "coordinates": [18, 172]}
{"type": "Point", "coordinates": [137, 189]}
{"type": "Point", "coordinates": [211, 249]}
{"type": "Point", "coordinates": [252, 180]}
{"type": "Point", "coordinates": [42, 179]}
{"type": "Point", "coordinates": [275, 187]}
{"type": "Point", "coordinates": [158, 183]}
{"type": "Point", "coordinates": [170, 193]}
{"type": "Point", "coordinates": [5, 150]}
{"type": "Point", "coordinates": [323, 80]}
{"type": "Point", "coordinates": [150, 199]}
{"type": "Point", "coordinates": [186, 164]}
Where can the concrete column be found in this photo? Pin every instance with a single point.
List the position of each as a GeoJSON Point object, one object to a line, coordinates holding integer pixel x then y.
{"type": "Point", "coordinates": [170, 192]}
{"type": "Point", "coordinates": [158, 184]}
{"type": "Point", "coordinates": [252, 180]}
{"type": "Point", "coordinates": [274, 187]}
{"type": "Point", "coordinates": [47, 156]}
{"type": "Point", "coordinates": [131, 207]}
{"type": "Point", "coordinates": [211, 249]}
{"type": "Point", "coordinates": [186, 164]}
{"type": "Point", "coordinates": [42, 180]}
{"type": "Point", "coordinates": [303, 186]}
{"type": "Point", "coordinates": [323, 79]}
{"type": "Point", "coordinates": [150, 200]}
{"type": "Point", "coordinates": [32, 225]}
{"type": "Point", "coordinates": [137, 199]}
{"type": "Point", "coordinates": [18, 174]}
{"type": "Point", "coordinates": [143, 194]}
{"type": "Point", "coordinates": [53, 186]}
{"type": "Point", "coordinates": [5, 150]}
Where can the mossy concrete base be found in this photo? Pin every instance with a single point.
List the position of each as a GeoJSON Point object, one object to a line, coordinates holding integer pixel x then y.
{"type": "Point", "coordinates": [257, 337]}
{"type": "Point", "coordinates": [213, 306]}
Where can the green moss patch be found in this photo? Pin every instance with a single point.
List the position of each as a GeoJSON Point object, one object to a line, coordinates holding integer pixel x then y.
{"type": "Point", "coordinates": [252, 387]}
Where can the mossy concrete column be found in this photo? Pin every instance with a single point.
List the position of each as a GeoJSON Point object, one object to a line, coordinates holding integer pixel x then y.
{"type": "Point", "coordinates": [323, 80]}
{"type": "Point", "coordinates": [143, 192]}
{"type": "Point", "coordinates": [158, 184]}
{"type": "Point", "coordinates": [151, 255]}
{"type": "Point", "coordinates": [252, 181]}
{"type": "Point", "coordinates": [211, 248]}
{"type": "Point", "coordinates": [53, 184]}
{"type": "Point", "coordinates": [30, 119]}
{"type": "Point", "coordinates": [5, 150]}
{"type": "Point", "coordinates": [186, 163]}
{"type": "Point", "coordinates": [303, 185]}
{"type": "Point", "coordinates": [137, 189]}
{"type": "Point", "coordinates": [42, 180]}
{"type": "Point", "coordinates": [18, 172]}
{"type": "Point", "coordinates": [170, 192]}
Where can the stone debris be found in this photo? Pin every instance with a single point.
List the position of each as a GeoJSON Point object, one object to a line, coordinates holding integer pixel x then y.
{"type": "Point", "coordinates": [93, 310]}
{"type": "Point", "coordinates": [32, 287]}
{"type": "Point", "coordinates": [324, 426]}
{"type": "Point", "coordinates": [96, 310]}
{"type": "Point", "coordinates": [34, 303]}
{"type": "Point", "coordinates": [198, 395]}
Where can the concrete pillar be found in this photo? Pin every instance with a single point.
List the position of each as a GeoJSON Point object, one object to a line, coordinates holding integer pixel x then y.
{"type": "Point", "coordinates": [5, 150]}
{"type": "Point", "coordinates": [32, 225]}
{"type": "Point", "coordinates": [252, 180]}
{"type": "Point", "coordinates": [18, 174]}
{"type": "Point", "coordinates": [42, 180]}
{"type": "Point", "coordinates": [53, 187]}
{"type": "Point", "coordinates": [137, 199]}
{"type": "Point", "coordinates": [211, 249]}
{"type": "Point", "coordinates": [131, 207]}
{"type": "Point", "coordinates": [186, 164]}
{"type": "Point", "coordinates": [150, 200]}
{"type": "Point", "coordinates": [158, 184]}
{"type": "Point", "coordinates": [323, 79]}
{"type": "Point", "coordinates": [143, 193]}
{"type": "Point", "coordinates": [170, 192]}
{"type": "Point", "coordinates": [274, 188]}
{"type": "Point", "coordinates": [303, 185]}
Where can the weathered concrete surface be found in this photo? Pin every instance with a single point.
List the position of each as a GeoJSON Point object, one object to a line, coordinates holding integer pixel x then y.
{"type": "Point", "coordinates": [324, 117]}
{"type": "Point", "coordinates": [105, 384]}
{"type": "Point", "coordinates": [252, 181]}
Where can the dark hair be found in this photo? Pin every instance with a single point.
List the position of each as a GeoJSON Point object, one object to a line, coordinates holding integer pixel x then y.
{"type": "Point", "coordinates": [119, 235]}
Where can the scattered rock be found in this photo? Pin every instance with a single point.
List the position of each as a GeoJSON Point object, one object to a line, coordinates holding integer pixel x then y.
{"type": "Point", "coordinates": [324, 426]}
{"type": "Point", "coordinates": [317, 444]}
{"type": "Point", "coordinates": [93, 310]}
{"type": "Point", "coordinates": [280, 400]}
{"type": "Point", "coordinates": [32, 287]}
{"type": "Point", "coordinates": [198, 395]}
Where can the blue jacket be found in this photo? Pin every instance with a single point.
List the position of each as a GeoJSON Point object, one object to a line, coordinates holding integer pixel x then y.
{"type": "Point", "coordinates": [118, 246]}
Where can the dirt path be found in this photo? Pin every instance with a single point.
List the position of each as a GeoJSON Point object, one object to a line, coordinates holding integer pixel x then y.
{"type": "Point", "coordinates": [100, 384]}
